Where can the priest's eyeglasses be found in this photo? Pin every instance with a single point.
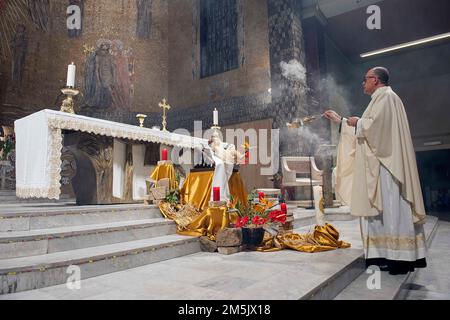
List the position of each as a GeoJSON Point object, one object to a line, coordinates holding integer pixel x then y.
{"type": "Point", "coordinates": [365, 78]}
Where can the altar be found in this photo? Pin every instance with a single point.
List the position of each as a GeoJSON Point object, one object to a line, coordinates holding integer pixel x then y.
{"type": "Point", "coordinates": [109, 156]}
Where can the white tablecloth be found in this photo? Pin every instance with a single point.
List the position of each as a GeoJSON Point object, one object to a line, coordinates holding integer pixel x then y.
{"type": "Point", "coordinates": [39, 145]}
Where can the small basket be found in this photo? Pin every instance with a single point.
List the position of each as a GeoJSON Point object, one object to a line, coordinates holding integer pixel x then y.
{"type": "Point", "coordinates": [158, 193]}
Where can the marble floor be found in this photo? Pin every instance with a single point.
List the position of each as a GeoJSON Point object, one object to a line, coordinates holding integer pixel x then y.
{"type": "Point", "coordinates": [433, 283]}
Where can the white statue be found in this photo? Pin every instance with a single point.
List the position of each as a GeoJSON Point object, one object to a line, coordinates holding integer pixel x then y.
{"type": "Point", "coordinates": [224, 156]}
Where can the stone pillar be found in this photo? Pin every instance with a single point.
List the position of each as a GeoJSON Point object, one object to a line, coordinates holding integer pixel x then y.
{"type": "Point", "coordinates": [289, 95]}
{"type": "Point", "coordinates": [318, 99]}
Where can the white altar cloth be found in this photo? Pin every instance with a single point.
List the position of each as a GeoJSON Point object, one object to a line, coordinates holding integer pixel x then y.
{"type": "Point", "coordinates": [39, 144]}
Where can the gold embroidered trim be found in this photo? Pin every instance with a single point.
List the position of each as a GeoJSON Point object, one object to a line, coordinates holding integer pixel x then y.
{"type": "Point", "coordinates": [396, 243]}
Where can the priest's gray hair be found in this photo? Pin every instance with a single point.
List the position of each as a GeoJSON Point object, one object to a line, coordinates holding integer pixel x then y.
{"type": "Point", "coordinates": [382, 73]}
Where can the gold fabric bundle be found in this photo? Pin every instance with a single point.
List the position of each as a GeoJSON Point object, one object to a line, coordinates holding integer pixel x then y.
{"type": "Point", "coordinates": [324, 238]}
{"type": "Point", "coordinates": [194, 218]}
{"type": "Point", "coordinates": [191, 222]}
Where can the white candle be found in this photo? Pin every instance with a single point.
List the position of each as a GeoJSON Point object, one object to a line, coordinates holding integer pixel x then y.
{"type": "Point", "coordinates": [71, 70]}
{"type": "Point", "coordinates": [216, 117]}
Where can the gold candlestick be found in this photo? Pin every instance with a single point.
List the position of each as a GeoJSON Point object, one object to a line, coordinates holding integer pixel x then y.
{"type": "Point", "coordinates": [68, 104]}
{"type": "Point", "coordinates": [141, 118]}
{"type": "Point", "coordinates": [165, 106]}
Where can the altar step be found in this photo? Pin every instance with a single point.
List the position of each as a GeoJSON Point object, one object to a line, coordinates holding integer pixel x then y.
{"type": "Point", "coordinates": [27, 218]}
{"type": "Point", "coordinates": [285, 275]}
{"type": "Point", "coordinates": [34, 272]}
{"type": "Point", "coordinates": [392, 287]}
{"type": "Point", "coordinates": [42, 241]}
{"type": "Point", "coordinates": [39, 242]}
{"type": "Point", "coordinates": [8, 197]}
{"type": "Point", "coordinates": [45, 242]}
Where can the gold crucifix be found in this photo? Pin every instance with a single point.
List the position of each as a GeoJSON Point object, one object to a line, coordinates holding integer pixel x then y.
{"type": "Point", "coordinates": [165, 106]}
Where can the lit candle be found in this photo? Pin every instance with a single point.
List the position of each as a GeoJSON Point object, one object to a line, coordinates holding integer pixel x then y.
{"type": "Point", "coordinates": [261, 196]}
{"type": "Point", "coordinates": [216, 117]}
{"type": "Point", "coordinates": [216, 194]}
{"type": "Point", "coordinates": [71, 70]}
{"type": "Point", "coordinates": [165, 155]}
{"type": "Point", "coordinates": [283, 207]}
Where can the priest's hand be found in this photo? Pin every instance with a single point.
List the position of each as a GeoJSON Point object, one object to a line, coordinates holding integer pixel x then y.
{"type": "Point", "coordinates": [333, 116]}
{"type": "Point", "coordinates": [353, 121]}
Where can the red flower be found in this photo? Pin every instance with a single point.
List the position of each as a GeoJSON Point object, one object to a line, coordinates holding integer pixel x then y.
{"type": "Point", "coordinates": [278, 216]}
{"type": "Point", "coordinates": [258, 221]}
{"type": "Point", "coordinates": [242, 222]}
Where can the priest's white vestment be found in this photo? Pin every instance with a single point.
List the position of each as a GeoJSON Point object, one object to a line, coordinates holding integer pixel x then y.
{"type": "Point", "coordinates": [376, 175]}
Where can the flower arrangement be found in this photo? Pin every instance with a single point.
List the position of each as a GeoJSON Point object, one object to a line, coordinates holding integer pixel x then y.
{"type": "Point", "coordinates": [258, 214]}
{"type": "Point", "coordinates": [7, 146]}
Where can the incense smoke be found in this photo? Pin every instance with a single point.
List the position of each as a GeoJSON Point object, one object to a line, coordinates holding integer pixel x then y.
{"type": "Point", "coordinates": [294, 71]}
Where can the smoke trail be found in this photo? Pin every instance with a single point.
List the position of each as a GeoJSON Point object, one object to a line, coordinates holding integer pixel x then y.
{"type": "Point", "coordinates": [294, 71]}
{"type": "Point", "coordinates": [338, 96]}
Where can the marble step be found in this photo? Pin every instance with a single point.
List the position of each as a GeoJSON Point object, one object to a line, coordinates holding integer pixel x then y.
{"type": "Point", "coordinates": [9, 197]}
{"type": "Point", "coordinates": [286, 275]}
{"type": "Point", "coordinates": [38, 242]}
{"type": "Point", "coordinates": [343, 265]}
{"type": "Point", "coordinates": [303, 218]}
{"type": "Point", "coordinates": [41, 241]}
{"type": "Point", "coordinates": [391, 285]}
{"type": "Point", "coordinates": [21, 274]}
{"type": "Point", "coordinates": [35, 218]}
{"type": "Point", "coordinates": [27, 273]}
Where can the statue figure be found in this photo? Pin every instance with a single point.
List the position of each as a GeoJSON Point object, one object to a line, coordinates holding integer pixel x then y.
{"type": "Point", "coordinates": [225, 157]}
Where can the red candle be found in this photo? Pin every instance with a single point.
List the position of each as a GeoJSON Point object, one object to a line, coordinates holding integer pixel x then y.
{"type": "Point", "coordinates": [216, 193]}
{"type": "Point", "coordinates": [164, 156]}
{"type": "Point", "coordinates": [247, 157]}
{"type": "Point", "coordinates": [283, 207]}
{"type": "Point", "coordinates": [261, 196]}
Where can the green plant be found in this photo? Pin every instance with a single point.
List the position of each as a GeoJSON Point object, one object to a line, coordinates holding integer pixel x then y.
{"type": "Point", "coordinates": [173, 197]}
{"type": "Point", "coordinates": [7, 146]}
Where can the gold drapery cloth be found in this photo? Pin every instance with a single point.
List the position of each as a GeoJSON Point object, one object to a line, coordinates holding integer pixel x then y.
{"type": "Point", "coordinates": [237, 188]}
{"type": "Point", "coordinates": [195, 218]}
{"type": "Point", "coordinates": [196, 190]}
{"type": "Point", "coordinates": [165, 171]}
{"type": "Point", "coordinates": [191, 222]}
{"type": "Point", "coordinates": [324, 238]}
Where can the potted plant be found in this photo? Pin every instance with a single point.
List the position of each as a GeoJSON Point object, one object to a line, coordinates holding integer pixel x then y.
{"type": "Point", "coordinates": [255, 217]}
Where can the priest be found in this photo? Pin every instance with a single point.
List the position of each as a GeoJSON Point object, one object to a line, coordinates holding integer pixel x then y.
{"type": "Point", "coordinates": [377, 177]}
